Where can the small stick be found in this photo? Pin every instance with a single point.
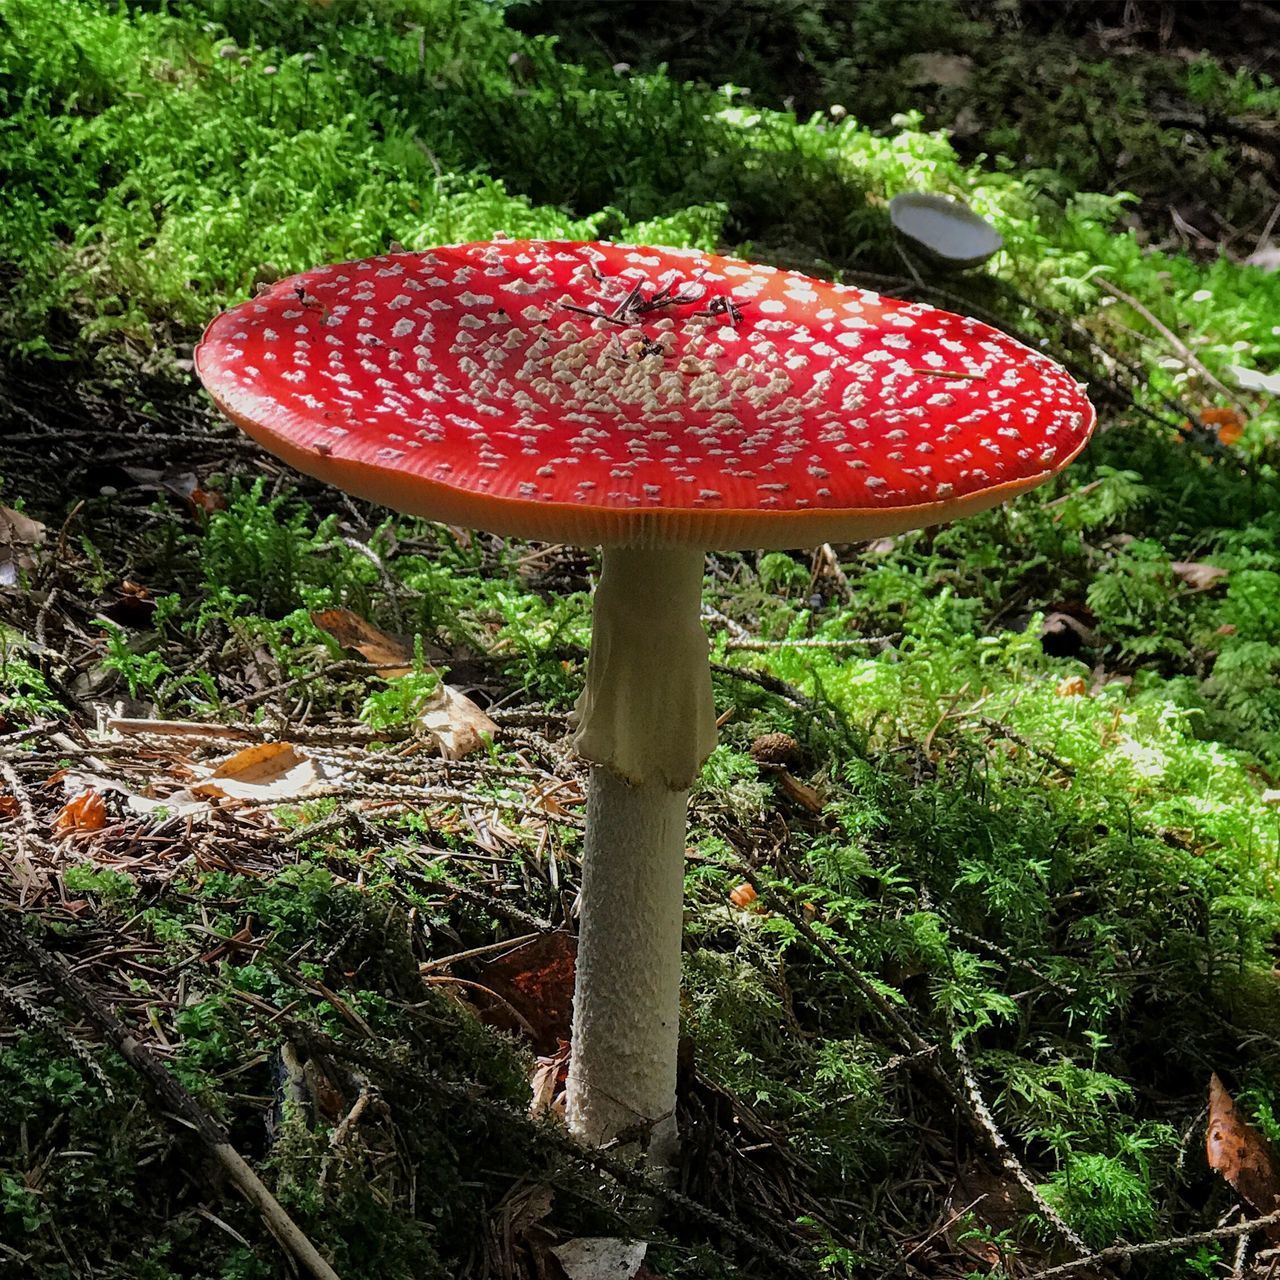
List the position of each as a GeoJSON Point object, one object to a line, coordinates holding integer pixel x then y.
{"type": "Point", "coordinates": [801, 642]}
{"type": "Point", "coordinates": [951, 373]}
{"type": "Point", "coordinates": [1004, 1153]}
{"type": "Point", "coordinates": [624, 308]}
{"type": "Point", "coordinates": [488, 949]}
{"type": "Point", "coordinates": [1123, 1252]}
{"type": "Point", "coordinates": [969, 1097]}
{"type": "Point", "coordinates": [1184, 352]}
{"type": "Point", "coordinates": [175, 1097]}
{"type": "Point", "coordinates": [181, 729]}
{"type": "Point", "coordinates": [598, 315]}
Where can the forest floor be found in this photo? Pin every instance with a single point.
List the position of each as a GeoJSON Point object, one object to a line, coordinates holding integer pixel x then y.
{"type": "Point", "coordinates": [960, 963]}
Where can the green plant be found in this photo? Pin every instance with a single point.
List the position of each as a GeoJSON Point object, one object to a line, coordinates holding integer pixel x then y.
{"type": "Point", "coordinates": [1102, 1198]}
{"type": "Point", "coordinates": [141, 669]}
{"type": "Point", "coordinates": [115, 888]}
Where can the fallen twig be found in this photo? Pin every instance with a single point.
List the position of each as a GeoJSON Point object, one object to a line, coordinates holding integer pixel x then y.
{"type": "Point", "coordinates": [969, 1097]}
{"type": "Point", "coordinates": [1184, 352]}
{"type": "Point", "coordinates": [1123, 1252]}
{"type": "Point", "coordinates": [182, 729]}
{"type": "Point", "coordinates": [978, 1109]}
{"type": "Point", "coordinates": [174, 1096]}
{"type": "Point", "coordinates": [631, 1176]}
{"type": "Point", "coordinates": [848, 642]}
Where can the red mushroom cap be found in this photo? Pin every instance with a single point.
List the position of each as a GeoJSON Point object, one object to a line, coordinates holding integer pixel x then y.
{"type": "Point", "coordinates": [604, 393]}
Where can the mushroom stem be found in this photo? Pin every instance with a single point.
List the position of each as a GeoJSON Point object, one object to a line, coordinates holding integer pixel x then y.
{"type": "Point", "coordinates": [647, 721]}
{"type": "Point", "coordinates": [626, 1000]}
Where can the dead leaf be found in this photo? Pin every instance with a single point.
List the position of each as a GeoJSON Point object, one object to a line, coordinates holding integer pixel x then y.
{"type": "Point", "coordinates": [394, 657]}
{"type": "Point", "coordinates": [554, 798]}
{"type": "Point", "coordinates": [86, 812]}
{"type": "Point", "coordinates": [1265, 258]}
{"type": "Point", "coordinates": [265, 771]}
{"type": "Point", "coordinates": [991, 1200]}
{"type": "Point", "coordinates": [536, 980]}
{"type": "Point", "coordinates": [231, 947]}
{"type": "Point", "coordinates": [19, 536]}
{"type": "Point", "coordinates": [1228, 423]}
{"type": "Point", "coordinates": [183, 485]}
{"type": "Point", "coordinates": [1253, 380]}
{"type": "Point", "coordinates": [550, 1073]}
{"type": "Point", "coordinates": [525, 1207]}
{"type": "Point", "coordinates": [456, 723]}
{"type": "Point", "coordinates": [600, 1258]}
{"type": "Point", "coordinates": [205, 501]}
{"type": "Point", "coordinates": [800, 793]}
{"type": "Point", "coordinates": [131, 605]}
{"type": "Point", "coordinates": [1241, 1154]}
{"type": "Point", "coordinates": [1071, 687]}
{"type": "Point", "coordinates": [1199, 577]}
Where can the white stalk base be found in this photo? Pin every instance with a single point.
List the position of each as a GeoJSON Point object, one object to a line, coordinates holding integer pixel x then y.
{"type": "Point", "coordinates": [626, 1003]}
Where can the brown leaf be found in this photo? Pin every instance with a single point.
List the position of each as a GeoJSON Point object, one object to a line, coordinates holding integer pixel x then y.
{"type": "Point", "coordinates": [800, 793]}
{"type": "Point", "coordinates": [19, 536]}
{"type": "Point", "coordinates": [230, 947]}
{"type": "Point", "coordinates": [1241, 1154]}
{"type": "Point", "coordinates": [265, 771]}
{"type": "Point", "coordinates": [1229, 424]}
{"type": "Point", "coordinates": [131, 605]}
{"type": "Point", "coordinates": [558, 798]}
{"type": "Point", "coordinates": [456, 723]}
{"type": "Point", "coordinates": [1199, 577]}
{"type": "Point", "coordinates": [351, 631]}
{"type": "Point", "coordinates": [86, 812]}
{"type": "Point", "coordinates": [205, 501]}
{"type": "Point", "coordinates": [536, 980]}
{"type": "Point", "coordinates": [994, 1201]}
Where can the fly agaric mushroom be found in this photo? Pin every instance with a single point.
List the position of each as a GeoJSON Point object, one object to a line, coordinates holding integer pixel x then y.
{"type": "Point", "coordinates": [658, 403]}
